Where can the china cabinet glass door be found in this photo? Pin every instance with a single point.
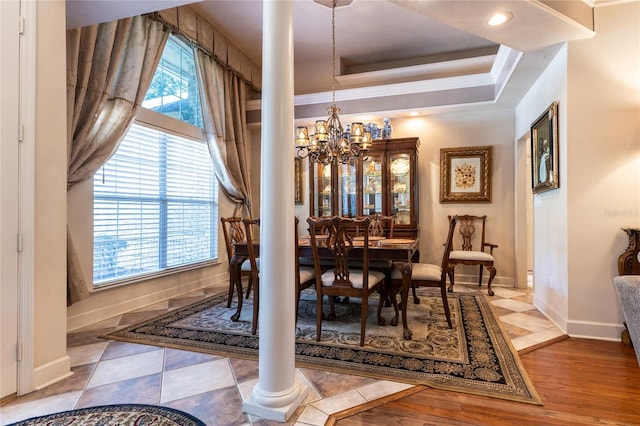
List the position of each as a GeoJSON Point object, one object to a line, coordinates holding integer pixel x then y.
{"type": "Point", "coordinates": [372, 188]}
{"type": "Point", "coordinates": [400, 186]}
{"type": "Point", "coordinates": [323, 190]}
{"type": "Point", "coordinates": [347, 189]}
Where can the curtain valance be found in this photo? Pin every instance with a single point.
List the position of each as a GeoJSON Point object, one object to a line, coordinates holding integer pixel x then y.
{"type": "Point", "coordinates": [184, 20]}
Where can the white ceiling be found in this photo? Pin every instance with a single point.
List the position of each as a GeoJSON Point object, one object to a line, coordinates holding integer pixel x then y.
{"type": "Point", "coordinates": [440, 51]}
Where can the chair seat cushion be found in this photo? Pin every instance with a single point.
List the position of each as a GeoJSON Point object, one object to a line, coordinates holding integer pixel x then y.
{"type": "Point", "coordinates": [470, 255]}
{"type": "Point", "coordinates": [420, 271]}
{"type": "Point", "coordinates": [246, 265]}
{"type": "Point", "coordinates": [355, 276]}
{"type": "Point", "coordinates": [307, 273]}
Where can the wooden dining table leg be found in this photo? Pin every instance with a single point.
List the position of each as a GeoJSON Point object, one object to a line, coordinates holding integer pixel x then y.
{"type": "Point", "coordinates": [234, 268]}
{"type": "Point", "coordinates": [405, 270]}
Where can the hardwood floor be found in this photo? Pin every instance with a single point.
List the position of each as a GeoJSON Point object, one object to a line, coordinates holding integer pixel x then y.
{"type": "Point", "coordinates": [580, 382]}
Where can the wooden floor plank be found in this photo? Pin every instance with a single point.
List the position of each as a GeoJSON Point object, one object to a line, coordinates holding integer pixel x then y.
{"type": "Point", "coordinates": [580, 381]}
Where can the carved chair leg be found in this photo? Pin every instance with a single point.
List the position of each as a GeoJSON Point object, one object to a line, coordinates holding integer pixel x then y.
{"type": "Point", "coordinates": [319, 316]}
{"type": "Point", "coordinates": [445, 302]}
{"type": "Point", "coordinates": [480, 277]}
{"type": "Point", "coordinates": [232, 284]}
{"type": "Point", "coordinates": [332, 308]}
{"type": "Point", "coordinates": [249, 287]}
{"type": "Point", "coordinates": [492, 274]}
{"type": "Point", "coordinates": [256, 306]}
{"type": "Point", "coordinates": [384, 295]}
{"type": "Point", "coordinates": [416, 299]}
{"type": "Point", "coordinates": [450, 273]}
{"type": "Point", "coordinates": [363, 318]}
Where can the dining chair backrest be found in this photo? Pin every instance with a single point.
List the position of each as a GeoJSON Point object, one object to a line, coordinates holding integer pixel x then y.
{"type": "Point", "coordinates": [233, 231]}
{"type": "Point", "coordinates": [337, 241]}
{"type": "Point", "coordinates": [448, 245]}
{"type": "Point", "coordinates": [251, 226]}
{"type": "Point", "coordinates": [381, 225]}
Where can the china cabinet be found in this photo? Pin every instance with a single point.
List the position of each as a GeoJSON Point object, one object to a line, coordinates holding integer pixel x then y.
{"type": "Point", "coordinates": [384, 182]}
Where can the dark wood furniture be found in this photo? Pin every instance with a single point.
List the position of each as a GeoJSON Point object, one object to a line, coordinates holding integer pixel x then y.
{"type": "Point", "coordinates": [400, 254]}
{"type": "Point", "coordinates": [428, 275]}
{"type": "Point", "coordinates": [385, 182]}
{"type": "Point", "coordinates": [467, 255]}
{"type": "Point", "coordinates": [629, 264]}
{"type": "Point", "coordinates": [251, 226]}
{"type": "Point", "coordinates": [305, 275]}
{"type": "Point", "coordinates": [340, 279]}
{"type": "Point", "coordinates": [234, 231]}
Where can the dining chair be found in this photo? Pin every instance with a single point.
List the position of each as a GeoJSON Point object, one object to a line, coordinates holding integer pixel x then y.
{"type": "Point", "coordinates": [305, 275]}
{"type": "Point", "coordinates": [427, 275]}
{"type": "Point", "coordinates": [467, 255]}
{"type": "Point", "coordinates": [251, 226]}
{"type": "Point", "coordinates": [233, 231]}
{"type": "Point", "coordinates": [341, 279]}
{"type": "Point", "coordinates": [381, 225]}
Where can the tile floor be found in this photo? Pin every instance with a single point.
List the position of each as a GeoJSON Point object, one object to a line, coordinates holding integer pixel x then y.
{"type": "Point", "coordinates": [212, 387]}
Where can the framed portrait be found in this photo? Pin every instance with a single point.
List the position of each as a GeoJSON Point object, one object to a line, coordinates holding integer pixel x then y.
{"type": "Point", "coordinates": [544, 150]}
{"type": "Point", "coordinates": [298, 181]}
{"type": "Point", "coordinates": [465, 174]}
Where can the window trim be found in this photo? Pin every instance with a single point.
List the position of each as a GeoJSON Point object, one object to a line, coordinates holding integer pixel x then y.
{"type": "Point", "coordinates": [153, 275]}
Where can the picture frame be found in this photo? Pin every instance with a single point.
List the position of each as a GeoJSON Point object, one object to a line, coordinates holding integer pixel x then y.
{"type": "Point", "coordinates": [465, 174]}
{"type": "Point", "coordinates": [298, 181]}
{"type": "Point", "coordinates": [544, 151]}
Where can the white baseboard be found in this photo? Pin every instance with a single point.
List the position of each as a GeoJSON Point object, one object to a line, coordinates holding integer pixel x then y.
{"type": "Point", "coordinates": [52, 372]}
{"type": "Point", "coordinates": [500, 281]}
{"type": "Point", "coordinates": [595, 330]}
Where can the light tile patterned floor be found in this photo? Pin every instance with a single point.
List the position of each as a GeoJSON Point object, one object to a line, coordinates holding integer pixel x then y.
{"type": "Point", "coordinates": [212, 387]}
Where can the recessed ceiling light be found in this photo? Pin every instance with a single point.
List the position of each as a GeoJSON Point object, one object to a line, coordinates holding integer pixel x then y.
{"type": "Point", "coordinates": [414, 113]}
{"type": "Point", "coordinates": [499, 18]}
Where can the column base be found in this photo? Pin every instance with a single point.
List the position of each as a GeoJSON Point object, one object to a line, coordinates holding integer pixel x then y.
{"type": "Point", "coordinates": [280, 413]}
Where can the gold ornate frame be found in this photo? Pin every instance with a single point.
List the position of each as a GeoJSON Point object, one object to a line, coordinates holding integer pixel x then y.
{"type": "Point", "coordinates": [298, 181]}
{"type": "Point", "coordinates": [465, 174]}
{"type": "Point", "coordinates": [544, 151]}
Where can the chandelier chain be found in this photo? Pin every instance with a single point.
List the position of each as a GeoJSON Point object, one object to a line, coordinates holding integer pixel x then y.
{"type": "Point", "coordinates": [333, 57]}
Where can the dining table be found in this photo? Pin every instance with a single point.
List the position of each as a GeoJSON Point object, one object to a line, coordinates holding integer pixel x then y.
{"type": "Point", "coordinates": [399, 253]}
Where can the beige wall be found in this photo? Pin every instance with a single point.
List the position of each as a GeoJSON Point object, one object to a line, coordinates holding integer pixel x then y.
{"type": "Point", "coordinates": [550, 233]}
{"type": "Point", "coordinates": [49, 344]}
{"type": "Point", "coordinates": [604, 169]}
{"type": "Point", "coordinates": [487, 126]}
{"type": "Point", "coordinates": [577, 234]}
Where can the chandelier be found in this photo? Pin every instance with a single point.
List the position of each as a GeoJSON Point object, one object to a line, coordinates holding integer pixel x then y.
{"type": "Point", "coordinates": [330, 143]}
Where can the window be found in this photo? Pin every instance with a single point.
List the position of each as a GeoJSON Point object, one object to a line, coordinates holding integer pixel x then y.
{"type": "Point", "coordinates": [156, 199]}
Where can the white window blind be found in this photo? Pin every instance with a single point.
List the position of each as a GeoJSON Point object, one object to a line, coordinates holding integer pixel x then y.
{"type": "Point", "coordinates": [155, 206]}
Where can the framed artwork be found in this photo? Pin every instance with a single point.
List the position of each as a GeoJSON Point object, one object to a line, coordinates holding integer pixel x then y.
{"type": "Point", "coordinates": [465, 174]}
{"type": "Point", "coordinates": [298, 181]}
{"type": "Point", "coordinates": [544, 150]}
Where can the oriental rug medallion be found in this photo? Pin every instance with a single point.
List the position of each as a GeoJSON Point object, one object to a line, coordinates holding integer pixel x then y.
{"type": "Point", "coordinates": [474, 357]}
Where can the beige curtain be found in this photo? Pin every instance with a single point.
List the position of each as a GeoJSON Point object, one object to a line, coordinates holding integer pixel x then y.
{"type": "Point", "coordinates": [109, 69]}
{"type": "Point", "coordinates": [222, 96]}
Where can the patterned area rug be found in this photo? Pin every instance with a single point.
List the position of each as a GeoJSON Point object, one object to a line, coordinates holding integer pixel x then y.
{"type": "Point", "coordinates": [474, 357]}
{"type": "Point", "coordinates": [121, 415]}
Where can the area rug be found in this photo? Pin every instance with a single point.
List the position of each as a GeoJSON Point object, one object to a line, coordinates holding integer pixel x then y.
{"type": "Point", "coordinates": [474, 357]}
{"type": "Point", "coordinates": [120, 414]}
